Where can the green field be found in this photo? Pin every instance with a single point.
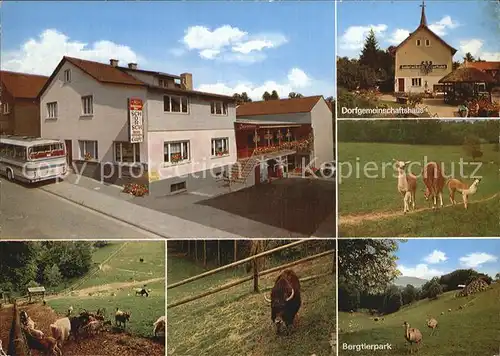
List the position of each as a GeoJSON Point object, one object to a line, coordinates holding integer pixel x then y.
{"type": "Point", "coordinates": [238, 322]}
{"type": "Point", "coordinates": [112, 287]}
{"type": "Point", "coordinates": [467, 332]}
{"type": "Point", "coordinates": [372, 206]}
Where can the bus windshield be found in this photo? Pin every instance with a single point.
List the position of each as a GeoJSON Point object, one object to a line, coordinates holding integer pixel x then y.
{"type": "Point", "coordinates": [46, 151]}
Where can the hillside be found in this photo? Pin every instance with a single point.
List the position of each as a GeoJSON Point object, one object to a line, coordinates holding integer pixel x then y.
{"type": "Point", "coordinates": [414, 281]}
{"type": "Point", "coordinates": [467, 331]}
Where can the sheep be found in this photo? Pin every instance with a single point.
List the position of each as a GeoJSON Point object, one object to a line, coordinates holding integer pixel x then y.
{"type": "Point", "coordinates": [412, 335]}
{"type": "Point", "coordinates": [449, 310]}
{"type": "Point", "coordinates": [159, 326]}
{"type": "Point", "coordinates": [433, 324]}
{"type": "Point", "coordinates": [70, 311]}
{"type": "Point", "coordinates": [61, 329]}
{"type": "Point", "coordinates": [407, 185]}
{"type": "Point", "coordinates": [121, 318]}
{"type": "Point", "coordinates": [2, 352]}
{"type": "Point", "coordinates": [442, 313]}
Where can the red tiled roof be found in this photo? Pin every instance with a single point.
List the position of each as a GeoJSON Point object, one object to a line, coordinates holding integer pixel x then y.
{"type": "Point", "coordinates": [22, 85]}
{"type": "Point", "coordinates": [104, 73]}
{"type": "Point", "coordinates": [278, 107]}
{"type": "Point", "coordinates": [484, 65]}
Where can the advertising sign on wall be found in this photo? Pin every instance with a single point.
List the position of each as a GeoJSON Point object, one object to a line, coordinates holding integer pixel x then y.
{"type": "Point", "coordinates": [136, 131]}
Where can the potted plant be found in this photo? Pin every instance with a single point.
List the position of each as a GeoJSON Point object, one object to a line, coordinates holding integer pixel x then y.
{"type": "Point", "coordinates": [88, 156]}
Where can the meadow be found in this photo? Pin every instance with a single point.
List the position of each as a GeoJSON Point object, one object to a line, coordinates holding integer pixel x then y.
{"type": "Point", "coordinates": [472, 330]}
{"type": "Point", "coordinates": [112, 285]}
{"type": "Point", "coordinates": [238, 322]}
{"type": "Point", "coordinates": [370, 204]}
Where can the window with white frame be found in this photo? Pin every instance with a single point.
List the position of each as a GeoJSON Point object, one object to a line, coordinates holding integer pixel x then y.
{"type": "Point", "coordinates": [220, 146]}
{"type": "Point", "coordinates": [416, 82]}
{"type": "Point", "coordinates": [67, 75]}
{"type": "Point", "coordinates": [127, 152]}
{"type": "Point", "coordinates": [427, 43]}
{"type": "Point", "coordinates": [218, 108]}
{"type": "Point", "coordinates": [88, 105]}
{"type": "Point", "coordinates": [176, 104]}
{"type": "Point", "coordinates": [88, 150]}
{"type": "Point", "coordinates": [52, 110]}
{"type": "Point", "coordinates": [176, 152]}
{"type": "Point", "coordinates": [418, 43]}
{"type": "Point", "coordinates": [6, 108]}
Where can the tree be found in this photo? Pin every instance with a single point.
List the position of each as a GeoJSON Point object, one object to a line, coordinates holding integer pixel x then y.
{"type": "Point", "coordinates": [393, 300]}
{"type": "Point", "coordinates": [52, 276]}
{"type": "Point", "coordinates": [370, 52]}
{"type": "Point", "coordinates": [472, 146]}
{"type": "Point", "coordinates": [241, 98]}
{"type": "Point", "coordinates": [294, 95]}
{"type": "Point", "coordinates": [367, 265]}
{"type": "Point", "coordinates": [432, 289]}
{"type": "Point", "coordinates": [469, 57]}
{"type": "Point", "coordinates": [266, 96]}
{"type": "Point", "coordinates": [274, 95]}
{"type": "Point", "coordinates": [18, 264]}
{"type": "Point", "coordinates": [497, 276]}
{"type": "Point", "coordinates": [409, 294]}
{"type": "Point", "coordinates": [348, 297]}
{"type": "Point", "coordinates": [455, 65]}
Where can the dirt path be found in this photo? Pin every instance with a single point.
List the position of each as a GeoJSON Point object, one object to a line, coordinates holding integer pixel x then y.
{"type": "Point", "coordinates": [5, 325]}
{"type": "Point", "coordinates": [104, 287]}
{"type": "Point", "coordinates": [358, 219]}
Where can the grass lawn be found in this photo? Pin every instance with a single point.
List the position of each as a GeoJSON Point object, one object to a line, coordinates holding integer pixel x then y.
{"type": "Point", "coordinates": [144, 310]}
{"type": "Point", "coordinates": [238, 322]}
{"type": "Point", "coordinates": [125, 265]}
{"type": "Point", "coordinates": [370, 198]}
{"type": "Point", "coordinates": [466, 332]}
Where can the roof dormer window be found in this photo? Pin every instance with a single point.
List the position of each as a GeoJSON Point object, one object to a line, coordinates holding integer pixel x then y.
{"type": "Point", "coordinates": [427, 43]}
{"type": "Point", "coordinates": [419, 43]}
{"type": "Point", "coordinates": [67, 75]}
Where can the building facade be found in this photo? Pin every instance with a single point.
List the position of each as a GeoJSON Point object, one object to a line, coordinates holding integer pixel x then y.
{"type": "Point", "coordinates": [285, 135]}
{"type": "Point", "coordinates": [19, 108]}
{"type": "Point", "coordinates": [184, 137]}
{"type": "Point", "coordinates": [421, 60]}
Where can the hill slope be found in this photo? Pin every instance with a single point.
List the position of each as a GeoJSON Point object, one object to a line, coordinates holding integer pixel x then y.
{"type": "Point", "coordinates": [414, 281]}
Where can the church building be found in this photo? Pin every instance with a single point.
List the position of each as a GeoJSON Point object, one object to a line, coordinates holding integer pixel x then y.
{"type": "Point", "coordinates": [421, 60]}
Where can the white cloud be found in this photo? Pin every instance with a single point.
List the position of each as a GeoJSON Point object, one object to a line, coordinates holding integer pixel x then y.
{"type": "Point", "coordinates": [477, 259]}
{"type": "Point", "coordinates": [354, 37]}
{"type": "Point", "coordinates": [398, 36]}
{"type": "Point", "coordinates": [435, 256]}
{"type": "Point", "coordinates": [41, 55]}
{"type": "Point", "coordinates": [229, 43]}
{"type": "Point", "coordinates": [420, 271]}
{"type": "Point", "coordinates": [442, 26]}
{"type": "Point", "coordinates": [475, 47]}
{"type": "Point", "coordinates": [297, 81]}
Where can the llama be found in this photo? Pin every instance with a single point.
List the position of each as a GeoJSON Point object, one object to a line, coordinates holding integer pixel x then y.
{"type": "Point", "coordinates": [407, 185]}
{"type": "Point", "coordinates": [456, 185]}
{"type": "Point", "coordinates": [434, 182]}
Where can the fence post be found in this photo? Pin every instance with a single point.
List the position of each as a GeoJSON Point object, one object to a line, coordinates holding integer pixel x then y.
{"type": "Point", "coordinates": [255, 276]}
{"type": "Point", "coordinates": [235, 251]}
{"type": "Point", "coordinates": [204, 253]}
{"type": "Point", "coordinates": [218, 252]}
{"type": "Point", "coordinates": [189, 248]}
{"type": "Point", "coordinates": [196, 250]}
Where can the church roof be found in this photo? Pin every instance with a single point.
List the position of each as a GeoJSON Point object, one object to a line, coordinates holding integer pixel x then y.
{"type": "Point", "coordinates": [423, 25]}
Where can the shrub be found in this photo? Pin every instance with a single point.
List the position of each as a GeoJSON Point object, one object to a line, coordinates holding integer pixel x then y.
{"type": "Point", "coordinates": [137, 190]}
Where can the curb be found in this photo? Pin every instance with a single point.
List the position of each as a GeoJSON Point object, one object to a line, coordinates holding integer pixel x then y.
{"type": "Point", "coordinates": [109, 215]}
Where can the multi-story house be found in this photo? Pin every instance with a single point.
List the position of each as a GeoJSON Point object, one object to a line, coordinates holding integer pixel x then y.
{"type": "Point", "coordinates": [19, 108]}
{"type": "Point", "coordinates": [115, 117]}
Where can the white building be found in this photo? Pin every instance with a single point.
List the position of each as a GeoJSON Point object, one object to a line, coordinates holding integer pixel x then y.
{"type": "Point", "coordinates": [186, 136]}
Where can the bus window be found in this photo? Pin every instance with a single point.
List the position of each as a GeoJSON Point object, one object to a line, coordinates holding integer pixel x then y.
{"type": "Point", "coordinates": [20, 152]}
{"type": "Point", "coordinates": [9, 151]}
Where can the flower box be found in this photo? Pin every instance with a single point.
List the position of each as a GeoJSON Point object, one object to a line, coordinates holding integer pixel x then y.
{"type": "Point", "coordinates": [137, 190]}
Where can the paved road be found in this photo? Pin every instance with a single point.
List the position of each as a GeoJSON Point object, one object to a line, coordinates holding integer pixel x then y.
{"type": "Point", "coordinates": [29, 212]}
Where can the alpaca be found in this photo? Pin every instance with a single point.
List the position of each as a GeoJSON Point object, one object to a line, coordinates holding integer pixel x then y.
{"type": "Point", "coordinates": [407, 185]}
{"type": "Point", "coordinates": [455, 185]}
{"type": "Point", "coordinates": [433, 324]}
{"type": "Point", "coordinates": [412, 335]}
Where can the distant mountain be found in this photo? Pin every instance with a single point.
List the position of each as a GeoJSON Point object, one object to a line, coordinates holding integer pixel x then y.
{"type": "Point", "coordinates": [414, 281]}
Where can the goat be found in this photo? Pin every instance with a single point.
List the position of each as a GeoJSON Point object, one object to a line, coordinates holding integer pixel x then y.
{"type": "Point", "coordinates": [49, 344]}
{"type": "Point", "coordinates": [37, 334]}
{"type": "Point", "coordinates": [26, 321]}
{"type": "Point", "coordinates": [70, 311]}
{"type": "Point", "coordinates": [121, 318]}
{"type": "Point", "coordinates": [407, 185]}
{"type": "Point", "coordinates": [61, 329]}
{"type": "Point", "coordinates": [456, 185]}
{"type": "Point", "coordinates": [434, 182]}
{"type": "Point", "coordinates": [93, 327]}
{"type": "Point", "coordinates": [159, 326]}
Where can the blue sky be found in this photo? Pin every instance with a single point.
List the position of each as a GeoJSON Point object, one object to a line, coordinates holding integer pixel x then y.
{"type": "Point", "coordinates": [427, 258]}
{"type": "Point", "coordinates": [228, 46]}
{"type": "Point", "coordinates": [468, 26]}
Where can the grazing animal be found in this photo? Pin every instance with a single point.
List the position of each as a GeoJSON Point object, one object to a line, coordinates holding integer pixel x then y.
{"type": "Point", "coordinates": [141, 260]}
{"type": "Point", "coordinates": [61, 329]}
{"type": "Point", "coordinates": [433, 324]}
{"type": "Point", "coordinates": [285, 299]}
{"type": "Point", "coordinates": [78, 322]}
{"type": "Point", "coordinates": [37, 334]}
{"type": "Point", "coordinates": [2, 352]}
{"type": "Point", "coordinates": [159, 326]}
{"type": "Point", "coordinates": [449, 310]}
{"type": "Point", "coordinates": [455, 185]}
{"type": "Point", "coordinates": [412, 335]}
{"type": "Point", "coordinates": [49, 345]}
{"type": "Point", "coordinates": [70, 311]}
{"type": "Point", "coordinates": [434, 183]}
{"type": "Point", "coordinates": [442, 313]}
{"type": "Point", "coordinates": [141, 292]}
{"type": "Point", "coordinates": [407, 185]}
{"type": "Point", "coordinates": [121, 318]}
{"type": "Point", "coordinates": [26, 321]}
{"type": "Point", "coordinates": [93, 327]}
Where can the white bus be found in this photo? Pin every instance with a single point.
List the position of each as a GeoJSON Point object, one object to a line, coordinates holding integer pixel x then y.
{"type": "Point", "coordinates": [31, 159]}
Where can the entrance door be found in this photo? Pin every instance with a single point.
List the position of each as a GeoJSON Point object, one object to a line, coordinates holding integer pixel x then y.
{"type": "Point", "coordinates": [69, 152]}
{"type": "Point", "coordinates": [401, 84]}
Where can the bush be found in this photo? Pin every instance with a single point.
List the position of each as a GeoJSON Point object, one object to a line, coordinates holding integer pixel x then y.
{"type": "Point", "coordinates": [137, 190]}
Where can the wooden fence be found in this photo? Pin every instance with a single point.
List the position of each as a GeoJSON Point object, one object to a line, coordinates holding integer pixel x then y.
{"type": "Point", "coordinates": [18, 345]}
{"type": "Point", "coordinates": [256, 272]}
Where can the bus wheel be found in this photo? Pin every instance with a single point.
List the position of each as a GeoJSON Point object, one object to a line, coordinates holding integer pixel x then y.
{"type": "Point", "coordinates": [10, 174]}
